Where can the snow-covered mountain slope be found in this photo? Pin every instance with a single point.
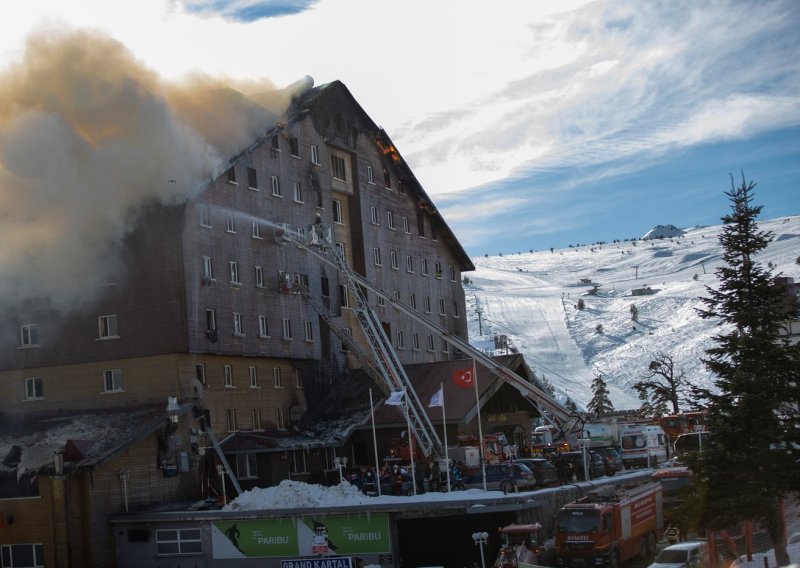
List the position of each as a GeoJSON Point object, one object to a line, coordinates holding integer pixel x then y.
{"type": "Point", "coordinates": [532, 298]}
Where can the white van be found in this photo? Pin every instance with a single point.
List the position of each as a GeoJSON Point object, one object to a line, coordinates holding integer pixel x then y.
{"type": "Point", "coordinates": [682, 555]}
{"type": "Point", "coordinates": [643, 445]}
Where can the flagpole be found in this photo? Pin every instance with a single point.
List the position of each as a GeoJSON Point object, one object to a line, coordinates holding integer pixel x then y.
{"type": "Point", "coordinates": [480, 428]}
{"type": "Point", "coordinates": [375, 444]}
{"type": "Point", "coordinates": [410, 447]}
{"type": "Point", "coordinates": [444, 429]}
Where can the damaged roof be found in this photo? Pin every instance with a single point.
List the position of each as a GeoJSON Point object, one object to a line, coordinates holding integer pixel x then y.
{"type": "Point", "coordinates": [88, 437]}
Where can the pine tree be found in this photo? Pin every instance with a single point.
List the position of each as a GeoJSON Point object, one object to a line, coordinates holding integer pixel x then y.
{"type": "Point", "coordinates": [750, 463]}
{"type": "Point", "coordinates": [600, 404]}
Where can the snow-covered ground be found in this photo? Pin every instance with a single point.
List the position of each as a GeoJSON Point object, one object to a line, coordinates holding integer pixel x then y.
{"type": "Point", "coordinates": [531, 297]}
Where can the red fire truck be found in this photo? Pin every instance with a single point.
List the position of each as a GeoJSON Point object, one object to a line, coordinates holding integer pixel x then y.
{"type": "Point", "coordinates": [609, 526]}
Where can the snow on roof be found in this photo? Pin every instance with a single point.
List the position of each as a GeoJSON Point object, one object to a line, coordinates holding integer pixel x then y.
{"type": "Point", "coordinates": [27, 443]}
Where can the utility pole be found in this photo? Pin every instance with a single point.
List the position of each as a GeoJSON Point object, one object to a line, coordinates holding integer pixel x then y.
{"type": "Point", "coordinates": [636, 268]}
{"type": "Point", "coordinates": [479, 311]}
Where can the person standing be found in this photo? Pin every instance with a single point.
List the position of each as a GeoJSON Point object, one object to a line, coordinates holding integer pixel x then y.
{"type": "Point", "coordinates": [436, 475]}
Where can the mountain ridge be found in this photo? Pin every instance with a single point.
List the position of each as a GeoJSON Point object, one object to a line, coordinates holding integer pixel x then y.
{"type": "Point", "coordinates": [532, 298]}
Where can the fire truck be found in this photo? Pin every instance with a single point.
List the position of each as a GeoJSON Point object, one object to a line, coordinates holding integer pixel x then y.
{"type": "Point", "coordinates": [521, 546]}
{"type": "Point", "coordinates": [609, 526]}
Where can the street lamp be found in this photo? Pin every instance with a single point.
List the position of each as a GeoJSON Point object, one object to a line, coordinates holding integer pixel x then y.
{"type": "Point", "coordinates": [480, 540]}
{"type": "Point", "coordinates": [340, 463]}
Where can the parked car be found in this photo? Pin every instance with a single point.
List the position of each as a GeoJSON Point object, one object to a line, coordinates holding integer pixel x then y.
{"type": "Point", "coordinates": [611, 457]}
{"type": "Point", "coordinates": [682, 555]}
{"type": "Point", "coordinates": [597, 465]}
{"type": "Point", "coordinates": [544, 471]}
{"type": "Point", "coordinates": [508, 478]}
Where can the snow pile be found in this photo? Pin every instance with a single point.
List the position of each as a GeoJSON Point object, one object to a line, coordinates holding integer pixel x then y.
{"type": "Point", "coordinates": [296, 494]}
{"type": "Point", "coordinates": [663, 232]}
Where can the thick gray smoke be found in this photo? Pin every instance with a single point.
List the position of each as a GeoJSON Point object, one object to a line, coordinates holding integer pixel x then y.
{"type": "Point", "coordinates": [88, 135]}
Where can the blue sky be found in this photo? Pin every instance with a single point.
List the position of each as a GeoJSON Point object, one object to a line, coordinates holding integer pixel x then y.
{"type": "Point", "coordinates": [531, 125]}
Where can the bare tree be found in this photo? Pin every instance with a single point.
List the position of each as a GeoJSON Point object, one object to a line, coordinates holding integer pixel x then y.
{"type": "Point", "coordinates": [662, 386]}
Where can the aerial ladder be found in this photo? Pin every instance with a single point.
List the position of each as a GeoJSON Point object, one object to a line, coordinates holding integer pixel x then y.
{"type": "Point", "coordinates": [387, 366]}
{"type": "Point", "coordinates": [317, 241]}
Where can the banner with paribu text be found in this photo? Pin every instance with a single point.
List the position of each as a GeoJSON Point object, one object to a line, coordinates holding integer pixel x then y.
{"type": "Point", "coordinates": [307, 536]}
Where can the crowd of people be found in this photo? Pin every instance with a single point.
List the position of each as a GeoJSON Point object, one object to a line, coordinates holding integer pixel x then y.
{"type": "Point", "coordinates": [397, 479]}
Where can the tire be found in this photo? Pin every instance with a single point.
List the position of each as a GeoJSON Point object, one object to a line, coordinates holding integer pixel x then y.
{"type": "Point", "coordinates": [508, 487]}
{"type": "Point", "coordinates": [651, 545]}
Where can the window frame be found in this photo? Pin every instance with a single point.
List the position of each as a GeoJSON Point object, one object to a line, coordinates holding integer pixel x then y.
{"type": "Point", "coordinates": [29, 335]}
{"type": "Point", "coordinates": [237, 324]}
{"type": "Point", "coordinates": [308, 331]}
{"type": "Point", "coordinates": [376, 256]}
{"type": "Point", "coordinates": [315, 155]}
{"type": "Point", "coordinates": [111, 328]}
{"type": "Point", "coordinates": [233, 267]}
{"type": "Point", "coordinates": [263, 327]}
{"type": "Point", "coordinates": [34, 388]}
{"type": "Point", "coordinates": [256, 229]}
{"type": "Point", "coordinates": [259, 276]}
{"type": "Point", "coordinates": [337, 212]}
{"type": "Point", "coordinates": [286, 328]}
{"type": "Point", "coordinates": [338, 168]}
{"type": "Point", "coordinates": [252, 178]}
{"type": "Point", "coordinates": [277, 379]}
{"type": "Point", "coordinates": [205, 216]}
{"type": "Point", "coordinates": [297, 192]}
{"type": "Point", "coordinates": [208, 268]}
{"type": "Point", "coordinates": [115, 376]}
{"type": "Point", "coordinates": [390, 221]}
{"type": "Point", "coordinates": [252, 376]}
{"type": "Point", "coordinates": [227, 376]}
{"type": "Point", "coordinates": [230, 223]}
{"type": "Point", "coordinates": [276, 186]}
{"type": "Point", "coordinates": [37, 553]}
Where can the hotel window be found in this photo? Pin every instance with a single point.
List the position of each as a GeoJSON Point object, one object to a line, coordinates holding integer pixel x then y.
{"type": "Point", "coordinates": [340, 250]}
{"type": "Point", "coordinates": [406, 225]}
{"type": "Point", "coordinates": [234, 267]}
{"type": "Point", "coordinates": [344, 296]}
{"type": "Point", "coordinates": [337, 212]}
{"type": "Point", "coordinates": [349, 333]}
{"type": "Point", "coordinates": [230, 222]}
{"type": "Point", "coordinates": [297, 192]}
{"type": "Point", "coordinates": [112, 380]}
{"type": "Point", "coordinates": [227, 372]}
{"type": "Point", "coordinates": [401, 340]}
{"type": "Point", "coordinates": [390, 220]}
{"type": "Point", "coordinates": [200, 373]}
{"type": "Point", "coordinates": [231, 419]}
{"type": "Point", "coordinates": [455, 310]}
{"type": "Point", "coordinates": [259, 276]}
{"type": "Point", "coordinates": [231, 175]}
{"type": "Point", "coordinates": [381, 302]}
{"type": "Point", "coordinates": [409, 263]}
{"type": "Point", "coordinates": [294, 147]}
{"type": "Point", "coordinates": [430, 343]}
{"type": "Point", "coordinates": [208, 268]}
{"type": "Point", "coordinates": [337, 168]}
{"type": "Point", "coordinates": [393, 256]}
{"type": "Point", "coordinates": [423, 265]}
{"type": "Point", "coordinates": [445, 346]}
{"type": "Point", "coordinates": [396, 295]}
{"type": "Point", "coordinates": [370, 175]}
{"type": "Point", "coordinates": [277, 382]}
{"type": "Point", "coordinates": [276, 186]}
{"type": "Point", "coordinates": [205, 216]}
{"type": "Point", "coordinates": [427, 304]}
{"type": "Point", "coordinates": [22, 555]}
{"type": "Point", "coordinates": [412, 301]}
{"type": "Point", "coordinates": [298, 378]}
{"type": "Point", "coordinates": [415, 341]}
{"type": "Point", "coordinates": [252, 178]}
{"type": "Point", "coordinates": [107, 327]}
{"type": "Point", "coordinates": [34, 388]}
{"type": "Point", "coordinates": [279, 423]}
{"type": "Point", "coordinates": [420, 225]}
{"type": "Point", "coordinates": [275, 146]}
{"type": "Point", "coordinates": [263, 329]}
{"type": "Point", "coordinates": [253, 374]}
{"type": "Point", "coordinates": [29, 335]}
{"type": "Point", "coordinates": [256, 230]}
{"type": "Point", "coordinates": [452, 272]}
{"type": "Point", "coordinates": [287, 328]}
{"type": "Point", "coordinates": [246, 464]}
{"type": "Point", "coordinates": [211, 320]}
{"type": "Point", "coordinates": [256, 419]}
{"type": "Point", "coordinates": [308, 331]}
{"type": "Point", "coordinates": [387, 179]}
{"type": "Point", "coordinates": [237, 323]}
{"type": "Point", "coordinates": [376, 253]}
{"type": "Point", "coordinates": [373, 214]}
{"type": "Point", "coordinates": [441, 306]}
{"type": "Point", "coordinates": [437, 266]}
{"type": "Point", "coordinates": [314, 155]}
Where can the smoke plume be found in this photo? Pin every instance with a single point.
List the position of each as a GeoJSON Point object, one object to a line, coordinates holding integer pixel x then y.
{"type": "Point", "coordinates": [87, 136]}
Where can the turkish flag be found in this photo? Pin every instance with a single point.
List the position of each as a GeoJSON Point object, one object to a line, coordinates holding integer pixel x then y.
{"type": "Point", "coordinates": [464, 378]}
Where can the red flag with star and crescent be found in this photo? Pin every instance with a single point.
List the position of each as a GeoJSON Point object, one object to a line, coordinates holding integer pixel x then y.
{"type": "Point", "coordinates": [464, 378]}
